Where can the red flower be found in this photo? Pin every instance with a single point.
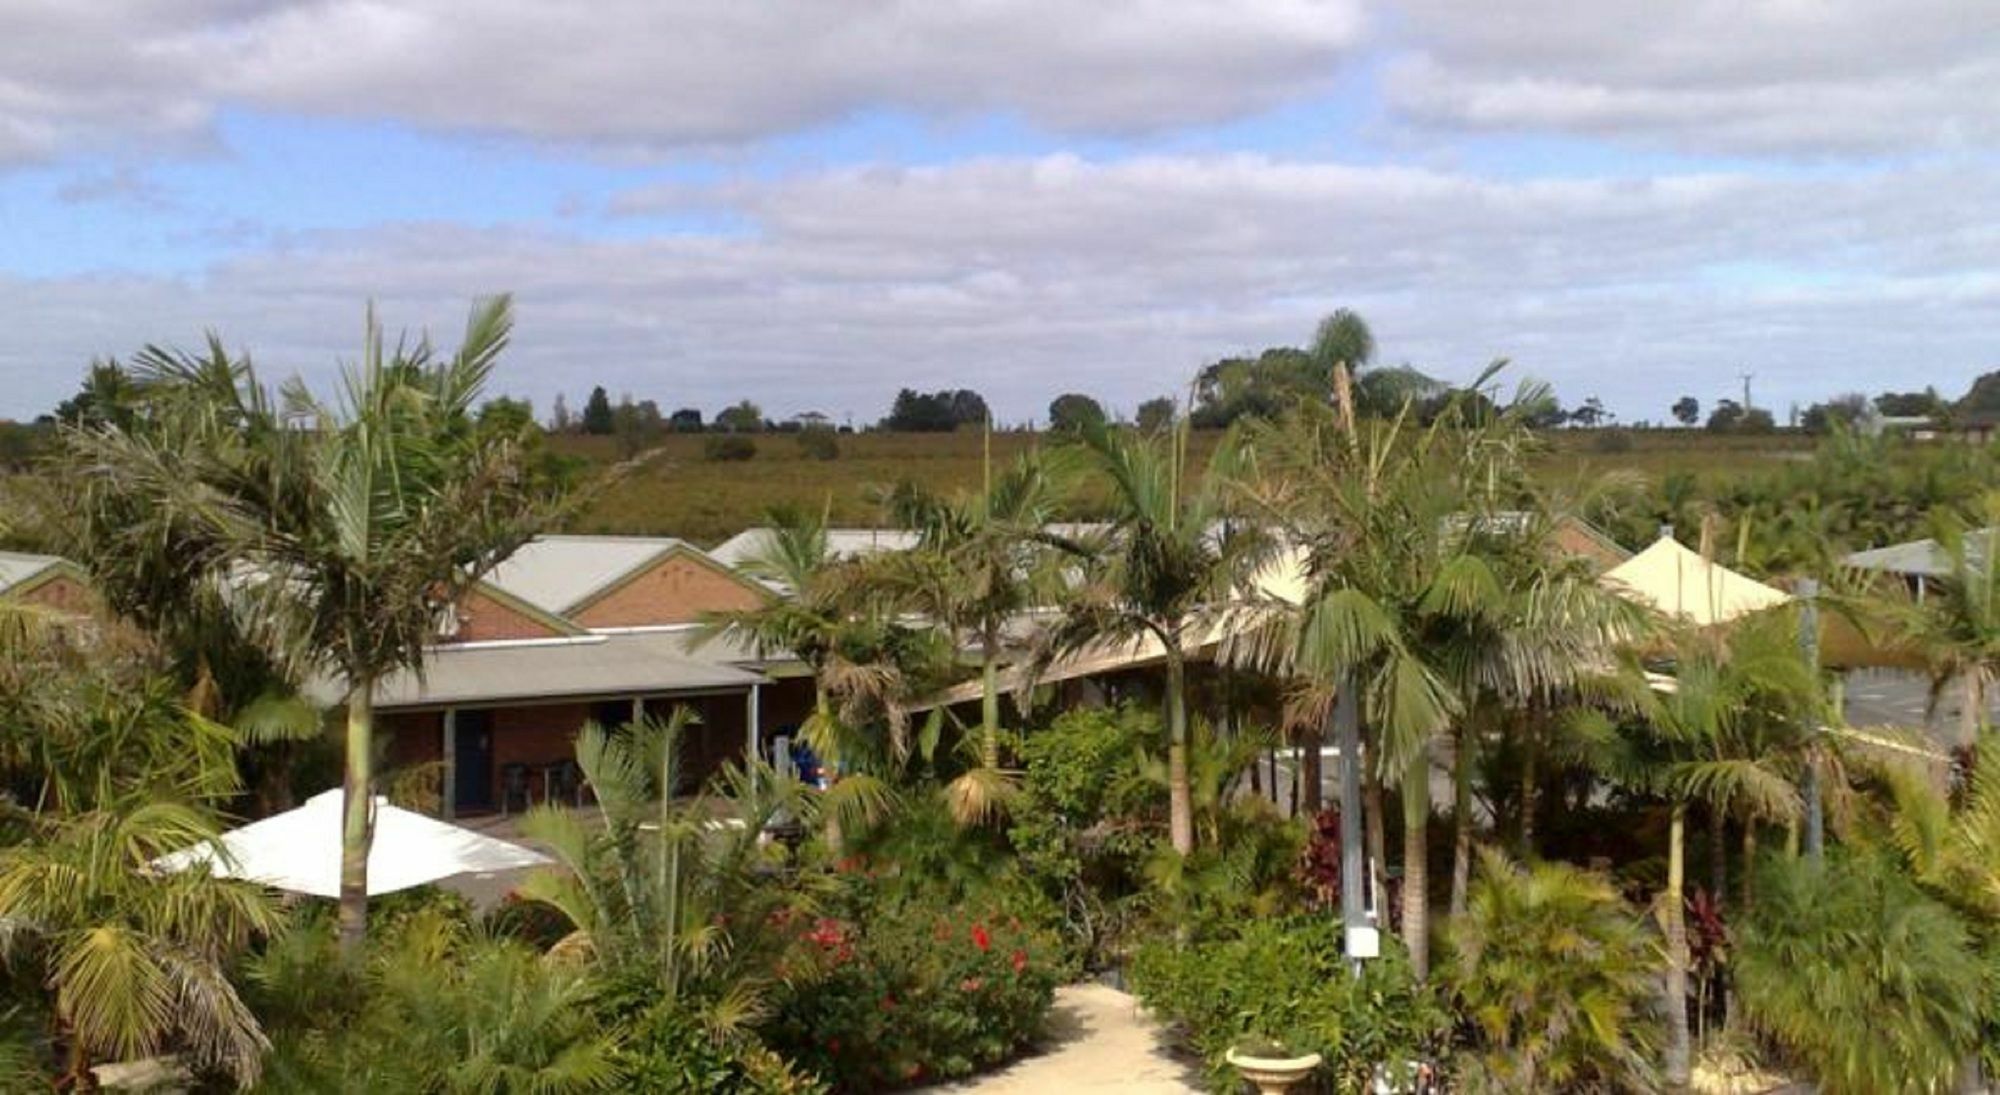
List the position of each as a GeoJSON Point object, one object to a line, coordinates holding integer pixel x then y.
{"type": "Point", "coordinates": [833, 1045]}
{"type": "Point", "coordinates": [970, 984]}
{"type": "Point", "coordinates": [888, 1003]}
{"type": "Point", "coordinates": [1020, 960]}
{"type": "Point", "coordinates": [979, 937]}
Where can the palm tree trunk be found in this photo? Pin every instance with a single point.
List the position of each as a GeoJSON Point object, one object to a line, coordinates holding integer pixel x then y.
{"type": "Point", "coordinates": [1718, 853]}
{"type": "Point", "coordinates": [1678, 1061]}
{"type": "Point", "coordinates": [989, 702]}
{"type": "Point", "coordinates": [1969, 713]}
{"type": "Point", "coordinates": [1530, 757]}
{"type": "Point", "coordinates": [357, 827]}
{"type": "Point", "coordinates": [1180, 799]}
{"type": "Point", "coordinates": [1749, 879]}
{"type": "Point", "coordinates": [1461, 819]}
{"type": "Point", "coordinates": [1309, 765]}
{"type": "Point", "coordinates": [1416, 862]}
{"type": "Point", "coordinates": [1378, 841]}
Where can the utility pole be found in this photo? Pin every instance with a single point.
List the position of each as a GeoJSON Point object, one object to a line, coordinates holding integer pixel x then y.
{"type": "Point", "coordinates": [1747, 378]}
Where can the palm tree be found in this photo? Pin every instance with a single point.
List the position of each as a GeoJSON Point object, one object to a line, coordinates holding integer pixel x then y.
{"type": "Point", "coordinates": [865, 665]}
{"type": "Point", "coordinates": [343, 532]}
{"type": "Point", "coordinates": [1725, 687]}
{"type": "Point", "coordinates": [661, 887]}
{"type": "Point", "coordinates": [981, 561]}
{"type": "Point", "coordinates": [1954, 625]}
{"type": "Point", "coordinates": [135, 961]}
{"type": "Point", "coordinates": [1161, 572]}
{"type": "Point", "coordinates": [1404, 538]}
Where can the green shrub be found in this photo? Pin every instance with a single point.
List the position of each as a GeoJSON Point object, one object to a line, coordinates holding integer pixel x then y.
{"type": "Point", "coordinates": [1088, 818]}
{"type": "Point", "coordinates": [664, 1047]}
{"type": "Point", "coordinates": [818, 443]}
{"type": "Point", "coordinates": [1556, 979]}
{"type": "Point", "coordinates": [912, 989]}
{"type": "Point", "coordinates": [1856, 972]}
{"type": "Point", "coordinates": [1288, 980]}
{"type": "Point", "coordinates": [728, 448]}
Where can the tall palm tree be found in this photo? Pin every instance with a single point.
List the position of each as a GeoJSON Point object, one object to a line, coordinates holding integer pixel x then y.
{"type": "Point", "coordinates": [1161, 572]}
{"type": "Point", "coordinates": [342, 531]}
{"type": "Point", "coordinates": [1402, 533]}
{"type": "Point", "coordinates": [864, 663]}
{"type": "Point", "coordinates": [981, 561]}
{"type": "Point", "coordinates": [1725, 685]}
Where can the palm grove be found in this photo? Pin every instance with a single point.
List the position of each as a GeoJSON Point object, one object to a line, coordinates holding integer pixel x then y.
{"type": "Point", "coordinates": [1365, 559]}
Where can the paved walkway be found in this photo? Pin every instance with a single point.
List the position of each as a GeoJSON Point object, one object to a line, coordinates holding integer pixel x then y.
{"type": "Point", "coordinates": [1097, 1041]}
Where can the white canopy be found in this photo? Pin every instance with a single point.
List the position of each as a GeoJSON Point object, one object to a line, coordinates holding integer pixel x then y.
{"type": "Point", "coordinates": [1684, 585]}
{"type": "Point", "coordinates": [299, 850]}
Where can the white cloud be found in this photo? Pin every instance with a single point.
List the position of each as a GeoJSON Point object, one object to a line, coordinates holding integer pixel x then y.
{"type": "Point", "coordinates": [649, 74]}
{"type": "Point", "coordinates": [1026, 277]}
{"type": "Point", "coordinates": [1795, 77]}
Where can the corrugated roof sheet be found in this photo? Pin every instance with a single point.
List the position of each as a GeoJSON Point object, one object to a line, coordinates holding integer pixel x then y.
{"type": "Point", "coordinates": [556, 573]}
{"type": "Point", "coordinates": [19, 566]}
{"type": "Point", "coordinates": [841, 543]}
{"type": "Point", "coordinates": [640, 663]}
{"type": "Point", "coordinates": [1923, 558]}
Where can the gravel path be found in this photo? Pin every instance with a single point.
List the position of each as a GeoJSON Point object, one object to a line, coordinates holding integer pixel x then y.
{"type": "Point", "coordinates": [1098, 1041]}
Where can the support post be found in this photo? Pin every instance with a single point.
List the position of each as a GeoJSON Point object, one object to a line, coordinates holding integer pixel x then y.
{"type": "Point", "coordinates": [448, 749]}
{"type": "Point", "coordinates": [1353, 879]}
{"type": "Point", "coordinates": [753, 733]}
{"type": "Point", "coordinates": [1815, 835]}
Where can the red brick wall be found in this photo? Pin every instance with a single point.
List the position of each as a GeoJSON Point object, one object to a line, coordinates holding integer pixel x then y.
{"type": "Point", "coordinates": [483, 619]}
{"type": "Point", "coordinates": [676, 591]}
{"type": "Point", "coordinates": [414, 737]}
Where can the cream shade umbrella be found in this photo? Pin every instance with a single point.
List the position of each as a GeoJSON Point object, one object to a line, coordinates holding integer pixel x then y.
{"type": "Point", "coordinates": [1687, 587]}
{"type": "Point", "coordinates": [299, 850]}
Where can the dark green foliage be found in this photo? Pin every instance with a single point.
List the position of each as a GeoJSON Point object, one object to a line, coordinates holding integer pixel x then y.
{"type": "Point", "coordinates": [1687, 410]}
{"type": "Point", "coordinates": [1155, 414]}
{"type": "Point", "coordinates": [1072, 411]}
{"type": "Point", "coordinates": [916, 986]}
{"type": "Point", "coordinates": [1288, 980]}
{"type": "Point", "coordinates": [935, 412]}
{"type": "Point", "coordinates": [741, 417]}
{"type": "Point", "coordinates": [1555, 980]}
{"type": "Point", "coordinates": [1851, 968]}
{"type": "Point", "coordinates": [598, 419]}
{"type": "Point", "coordinates": [728, 448]}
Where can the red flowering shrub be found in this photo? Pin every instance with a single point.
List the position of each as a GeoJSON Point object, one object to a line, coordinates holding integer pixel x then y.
{"type": "Point", "coordinates": [912, 989]}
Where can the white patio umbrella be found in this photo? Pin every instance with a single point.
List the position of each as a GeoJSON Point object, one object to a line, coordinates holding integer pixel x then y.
{"type": "Point", "coordinates": [299, 850]}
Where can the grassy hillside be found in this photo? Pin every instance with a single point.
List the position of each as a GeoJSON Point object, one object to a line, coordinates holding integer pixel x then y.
{"type": "Point", "coordinates": [674, 490]}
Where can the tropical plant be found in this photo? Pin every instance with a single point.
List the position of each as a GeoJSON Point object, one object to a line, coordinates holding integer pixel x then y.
{"type": "Point", "coordinates": [1159, 576]}
{"type": "Point", "coordinates": [1953, 624]}
{"type": "Point", "coordinates": [981, 561]}
{"type": "Point", "coordinates": [1851, 968]}
{"type": "Point", "coordinates": [1287, 979]}
{"type": "Point", "coordinates": [434, 1007]}
{"type": "Point", "coordinates": [343, 532]}
{"type": "Point", "coordinates": [133, 960]}
{"type": "Point", "coordinates": [669, 894]}
{"type": "Point", "coordinates": [1556, 980]}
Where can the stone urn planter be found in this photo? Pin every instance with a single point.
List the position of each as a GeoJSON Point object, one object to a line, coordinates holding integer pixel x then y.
{"type": "Point", "coordinates": [1273, 1075]}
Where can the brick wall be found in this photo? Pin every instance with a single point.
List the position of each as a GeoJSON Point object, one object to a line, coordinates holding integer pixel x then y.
{"type": "Point", "coordinates": [483, 619]}
{"type": "Point", "coordinates": [675, 591]}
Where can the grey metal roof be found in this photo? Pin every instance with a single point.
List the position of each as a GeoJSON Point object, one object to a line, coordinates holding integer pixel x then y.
{"type": "Point", "coordinates": [556, 573]}
{"type": "Point", "coordinates": [19, 566]}
{"type": "Point", "coordinates": [633, 664]}
{"type": "Point", "coordinates": [1923, 558]}
{"type": "Point", "coordinates": [841, 543]}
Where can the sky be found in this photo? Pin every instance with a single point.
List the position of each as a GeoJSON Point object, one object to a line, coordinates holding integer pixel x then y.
{"type": "Point", "coordinates": [813, 203]}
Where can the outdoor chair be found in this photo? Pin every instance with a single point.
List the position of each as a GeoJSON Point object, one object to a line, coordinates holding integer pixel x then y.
{"type": "Point", "coordinates": [514, 788]}
{"type": "Point", "coordinates": [570, 783]}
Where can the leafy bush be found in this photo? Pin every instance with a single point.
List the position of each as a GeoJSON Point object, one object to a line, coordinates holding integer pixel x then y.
{"type": "Point", "coordinates": [436, 1008]}
{"type": "Point", "coordinates": [665, 1047]}
{"type": "Point", "coordinates": [1087, 818]}
{"type": "Point", "coordinates": [728, 448]}
{"type": "Point", "coordinates": [1288, 980]}
{"type": "Point", "coordinates": [914, 988]}
{"type": "Point", "coordinates": [1850, 967]}
{"type": "Point", "coordinates": [818, 443]}
{"type": "Point", "coordinates": [1556, 980]}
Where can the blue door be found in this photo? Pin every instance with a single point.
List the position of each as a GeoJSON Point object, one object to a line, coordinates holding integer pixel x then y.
{"type": "Point", "coordinates": [472, 761]}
